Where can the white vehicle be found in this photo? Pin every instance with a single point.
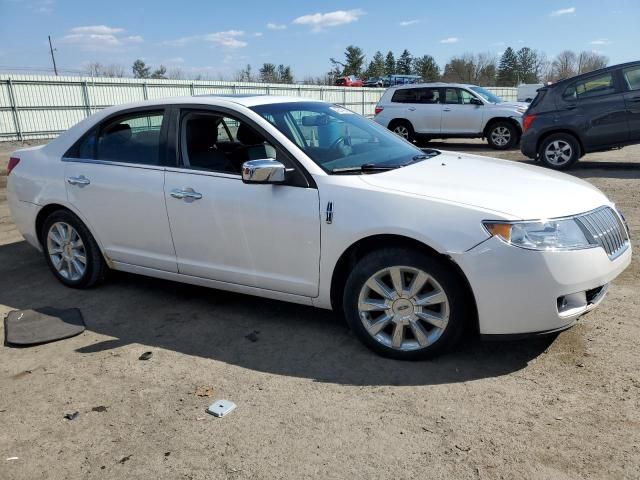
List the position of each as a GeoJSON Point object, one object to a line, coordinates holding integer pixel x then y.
{"type": "Point", "coordinates": [450, 110]}
{"type": "Point", "coordinates": [528, 91]}
{"type": "Point", "coordinates": [307, 202]}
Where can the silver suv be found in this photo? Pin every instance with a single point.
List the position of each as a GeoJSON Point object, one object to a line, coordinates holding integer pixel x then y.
{"type": "Point", "coordinates": [450, 110]}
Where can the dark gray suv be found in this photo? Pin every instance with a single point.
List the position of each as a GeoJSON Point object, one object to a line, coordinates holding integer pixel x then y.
{"type": "Point", "coordinates": [589, 113]}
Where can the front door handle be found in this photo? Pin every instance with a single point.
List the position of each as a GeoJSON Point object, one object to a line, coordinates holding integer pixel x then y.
{"type": "Point", "coordinates": [81, 180]}
{"type": "Point", "coordinates": [571, 107]}
{"type": "Point", "coordinates": [446, 109]}
{"type": "Point", "coordinates": [188, 194]}
{"type": "Point", "coordinates": [412, 109]}
{"type": "Point", "coordinates": [635, 99]}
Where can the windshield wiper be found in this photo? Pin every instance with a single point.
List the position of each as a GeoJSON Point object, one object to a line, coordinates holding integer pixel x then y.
{"type": "Point", "coordinates": [422, 156]}
{"type": "Point", "coordinates": [366, 168]}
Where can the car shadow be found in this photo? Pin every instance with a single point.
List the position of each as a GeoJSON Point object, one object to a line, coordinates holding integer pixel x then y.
{"type": "Point", "coordinates": [254, 333]}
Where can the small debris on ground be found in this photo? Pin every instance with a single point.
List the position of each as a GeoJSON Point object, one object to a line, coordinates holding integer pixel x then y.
{"type": "Point", "coordinates": [253, 336]}
{"type": "Point", "coordinates": [99, 408]}
{"type": "Point", "coordinates": [11, 459]}
{"type": "Point", "coordinates": [581, 365]}
{"type": "Point", "coordinates": [559, 418]}
{"type": "Point", "coordinates": [124, 459]}
{"type": "Point", "coordinates": [166, 454]}
{"type": "Point", "coordinates": [145, 356]}
{"type": "Point", "coordinates": [71, 416]}
{"type": "Point", "coordinates": [463, 448]}
{"type": "Point", "coordinates": [203, 392]}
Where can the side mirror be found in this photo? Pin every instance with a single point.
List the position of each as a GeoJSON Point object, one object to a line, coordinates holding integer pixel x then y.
{"type": "Point", "coordinates": [263, 171]}
{"type": "Point", "coordinates": [476, 101]}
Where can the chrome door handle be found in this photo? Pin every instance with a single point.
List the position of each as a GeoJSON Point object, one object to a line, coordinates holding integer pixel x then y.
{"type": "Point", "coordinates": [81, 180]}
{"type": "Point", "coordinates": [446, 109]}
{"type": "Point", "coordinates": [187, 194]}
{"type": "Point", "coordinates": [412, 109]}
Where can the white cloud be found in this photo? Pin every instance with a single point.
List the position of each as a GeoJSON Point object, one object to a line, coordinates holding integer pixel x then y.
{"type": "Point", "coordinates": [320, 21]}
{"type": "Point", "coordinates": [450, 40]}
{"type": "Point", "coordinates": [172, 61]}
{"type": "Point", "coordinates": [42, 6]}
{"type": "Point", "coordinates": [100, 38]}
{"type": "Point", "coordinates": [406, 23]}
{"type": "Point", "coordinates": [97, 30]}
{"type": "Point", "coordinates": [228, 39]}
{"type": "Point", "coordinates": [601, 41]}
{"type": "Point", "coordinates": [276, 26]}
{"type": "Point", "coordinates": [563, 11]}
{"type": "Point", "coordinates": [257, 34]}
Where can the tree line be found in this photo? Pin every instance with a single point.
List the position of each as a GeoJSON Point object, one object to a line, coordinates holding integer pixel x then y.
{"type": "Point", "coordinates": [512, 68]}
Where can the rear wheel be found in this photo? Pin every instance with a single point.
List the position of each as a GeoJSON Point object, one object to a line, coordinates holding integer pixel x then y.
{"type": "Point", "coordinates": [502, 135]}
{"type": "Point", "coordinates": [403, 129]}
{"type": "Point", "coordinates": [559, 151]}
{"type": "Point", "coordinates": [71, 251]}
{"type": "Point", "coordinates": [404, 304]}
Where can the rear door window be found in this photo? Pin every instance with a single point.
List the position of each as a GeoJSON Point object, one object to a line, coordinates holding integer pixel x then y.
{"type": "Point", "coordinates": [133, 138]}
{"type": "Point", "coordinates": [590, 87]}
{"type": "Point", "coordinates": [452, 95]}
{"type": "Point", "coordinates": [632, 78]}
{"type": "Point", "coordinates": [404, 95]}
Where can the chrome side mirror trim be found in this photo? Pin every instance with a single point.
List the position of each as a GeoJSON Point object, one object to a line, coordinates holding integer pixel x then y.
{"type": "Point", "coordinates": [263, 171]}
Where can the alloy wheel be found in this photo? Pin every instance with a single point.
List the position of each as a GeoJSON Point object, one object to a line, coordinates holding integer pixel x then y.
{"type": "Point", "coordinates": [66, 251]}
{"type": "Point", "coordinates": [501, 136]}
{"type": "Point", "coordinates": [558, 152]}
{"type": "Point", "coordinates": [402, 130]}
{"type": "Point", "coordinates": [403, 308]}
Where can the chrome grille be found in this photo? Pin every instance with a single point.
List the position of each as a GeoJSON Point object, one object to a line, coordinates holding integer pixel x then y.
{"type": "Point", "coordinates": [604, 227]}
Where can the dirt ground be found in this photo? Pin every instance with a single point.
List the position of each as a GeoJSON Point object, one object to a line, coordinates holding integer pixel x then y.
{"type": "Point", "coordinates": [312, 402]}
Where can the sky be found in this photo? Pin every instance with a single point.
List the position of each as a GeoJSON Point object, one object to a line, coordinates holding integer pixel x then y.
{"type": "Point", "coordinates": [218, 38]}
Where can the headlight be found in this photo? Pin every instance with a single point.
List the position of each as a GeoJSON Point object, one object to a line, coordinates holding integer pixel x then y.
{"type": "Point", "coordinates": [563, 234]}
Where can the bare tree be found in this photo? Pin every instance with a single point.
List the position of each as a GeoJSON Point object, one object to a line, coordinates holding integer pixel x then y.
{"type": "Point", "coordinates": [590, 61]}
{"type": "Point", "coordinates": [471, 68]}
{"type": "Point", "coordinates": [565, 65]}
{"type": "Point", "coordinates": [175, 73]}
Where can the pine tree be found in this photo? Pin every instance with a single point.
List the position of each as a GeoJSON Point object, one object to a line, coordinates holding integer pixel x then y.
{"type": "Point", "coordinates": [390, 64]}
{"type": "Point", "coordinates": [140, 69]}
{"type": "Point", "coordinates": [427, 68]}
{"type": "Point", "coordinates": [508, 69]}
{"type": "Point", "coordinates": [404, 63]}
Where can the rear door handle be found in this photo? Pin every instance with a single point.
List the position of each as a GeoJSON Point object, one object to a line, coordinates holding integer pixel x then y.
{"type": "Point", "coordinates": [571, 107]}
{"type": "Point", "coordinates": [635, 99]}
{"type": "Point", "coordinates": [412, 109]}
{"type": "Point", "coordinates": [187, 194]}
{"type": "Point", "coordinates": [446, 109]}
{"type": "Point", "coordinates": [81, 180]}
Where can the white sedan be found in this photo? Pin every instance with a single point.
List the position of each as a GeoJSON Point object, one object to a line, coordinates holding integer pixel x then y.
{"type": "Point", "coordinates": [307, 202]}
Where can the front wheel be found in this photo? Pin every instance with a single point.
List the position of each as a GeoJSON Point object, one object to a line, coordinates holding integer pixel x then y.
{"type": "Point", "coordinates": [502, 135]}
{"type": "Point", "coordinates": [404, 304]}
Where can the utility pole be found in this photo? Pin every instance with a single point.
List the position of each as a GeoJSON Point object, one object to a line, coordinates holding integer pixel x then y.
{"type": "Point", "coordinates": [53, 58]}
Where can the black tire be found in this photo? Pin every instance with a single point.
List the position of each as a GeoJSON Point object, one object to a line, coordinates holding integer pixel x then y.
{"type": "Point", "coordinates": [502, 135]}
{"type": "Point", "coordinates": [404, 129]}
{"type": "Point", "coordinates": [566, 148]}
{"type": "Point", "coordinates": [446, 279]}
{"type": "Point", "coordinates": [95, 267]}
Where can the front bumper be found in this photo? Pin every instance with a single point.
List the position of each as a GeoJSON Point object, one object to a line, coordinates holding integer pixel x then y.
{"type": "Point", "coordinates": [520, 291]}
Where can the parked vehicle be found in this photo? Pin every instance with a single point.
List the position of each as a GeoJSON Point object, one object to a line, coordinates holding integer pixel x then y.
{"type": "Point", "coordinates": [308, 202]}
{"type": "Point", "coordinates": [349, 81]}
{"type": "Point", "coordinates": [528, 91]}
{"type": "Point", "coordinates": [592, 112]}
{"type": "Point", "coordinates": [374, 82]}
{"type": "Point", "coordinates": [450, 110]}
{"type": "Point", "coordinates": [392, 80]}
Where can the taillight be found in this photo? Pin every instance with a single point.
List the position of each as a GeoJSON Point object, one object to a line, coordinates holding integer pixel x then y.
{"type": "Point", "coordinates": [378, 110]}
{"type": "Point", "coordinates": [13, 161]}
{"type": "Point", "coordinates": [527, 121]}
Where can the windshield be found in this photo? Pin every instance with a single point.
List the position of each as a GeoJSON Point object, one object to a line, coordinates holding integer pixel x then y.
{"type": "Point", "coordinates": [338, 139]}
{"type": "Point", "coordinates": [487, 95]}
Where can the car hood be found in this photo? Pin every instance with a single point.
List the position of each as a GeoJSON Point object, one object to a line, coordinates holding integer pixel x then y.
{"type": "Point", "coordinates": [516, 190]}
{"type": "Point", "coordinates": [511, 105]}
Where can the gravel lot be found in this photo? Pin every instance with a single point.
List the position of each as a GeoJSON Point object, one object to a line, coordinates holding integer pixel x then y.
{"type": "Point", "coordinates": [312, 402]}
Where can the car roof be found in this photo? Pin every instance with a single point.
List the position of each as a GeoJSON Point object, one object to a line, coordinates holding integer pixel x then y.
{"type": "Point", "coordinates": [434, 84]}
{"type": "Point", "coordinates": [246, 100]}
{"type": "Point", "coordinates": [594, 72]}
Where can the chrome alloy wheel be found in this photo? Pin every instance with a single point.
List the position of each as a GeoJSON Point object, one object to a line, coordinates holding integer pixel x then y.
{"type": "Point", "coordinates": [402, 130]}
{"type": "Point", "coordinates": [403, 308]}
{"type": "Point", "coordinates": [66, 251]}
{"type": "Point", "coordinates": [558, 152]}
{"type": "Point", "coordinates": [500, 136]}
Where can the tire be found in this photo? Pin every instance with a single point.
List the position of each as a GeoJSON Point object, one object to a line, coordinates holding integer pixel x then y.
{"type": "Point", "coordinates": [66, 241]}
{"type": "Point", "coordinates": [559, 151]}
{"type": "Point", "coordinates": [379, 315]}
{"type": "Point", "coordinates": [404, 129]}
{"type": "Point", "coordinates": [502, 135]}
